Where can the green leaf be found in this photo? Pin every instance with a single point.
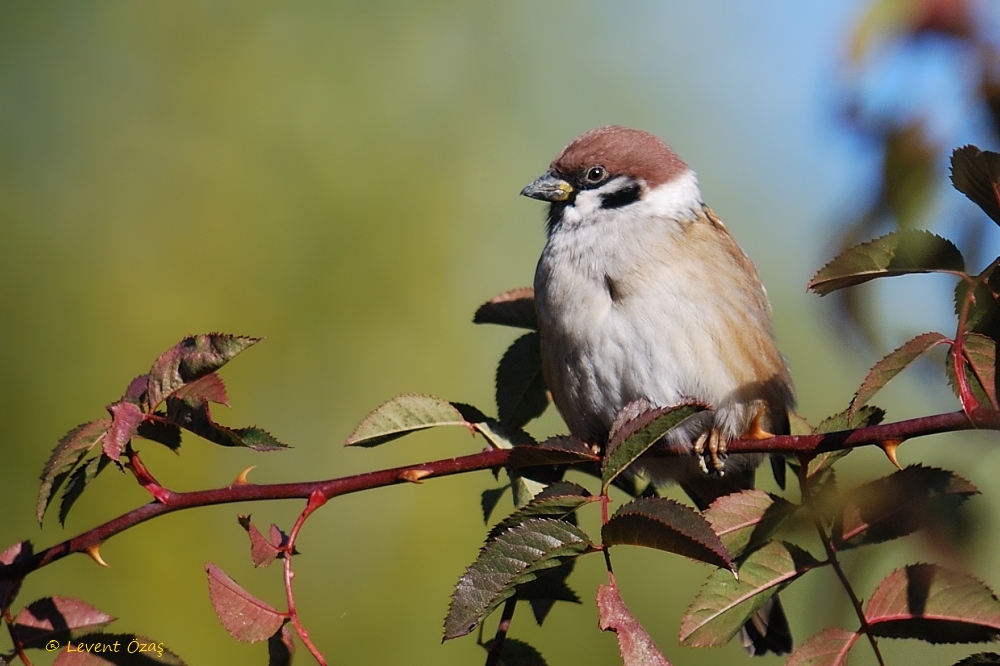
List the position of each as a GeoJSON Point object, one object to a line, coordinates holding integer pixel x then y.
{"type": "Point", "coordinates": [513, 558]}
{"type": "Point", "coordinates": [403, 415]}
{"type": "Point", "coordinates": [849, 419]}
{"type": "Point", "coordinates": [637, 434]}
{"type": "Point", "coordinates": [521, 393]}
{"type": "Point", "coordinates": [981, 659]}
{"type": "Point", "coordinates": [191, 359]}
{"type": "Point", "coordinates": [891, 365]}
{"type": "Point", "coordinates": [553, 451]}
{"type": "Point", "coordinates": [634, 642]}
{"type": "Point", "coordinates": [558, 500]}
{"type": "Point", "coordinates": [745, 520]}
{"type": "Point", "coordinates": [827, 648]}
{"type": "Point", "coordinates": [976, 174]}
{"type": "Point", "coordinates": [899, 504]}
{"type": "Point", "coordinates": [981, 353]}
{"type": "Point", "coordinates": [897, 253]}
{"type": "Point", "coordinates": [934, 604]}
{"type": "Point", "coordinates": [657, 522]}
{"type": "Point", "coordinates": [197, 418]}
{"type": "Point", "coordinates": [724, 603]}
{"type": "Point", "coordinates": [78, 482]}
{"type": "Point", "coordinates": [514, 308]}
{"type": "Point", "coordinates": [72, 448]}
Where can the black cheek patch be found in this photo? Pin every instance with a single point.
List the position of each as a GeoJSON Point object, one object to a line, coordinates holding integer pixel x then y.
{"type": "Point", "coordinates": [622, 197]}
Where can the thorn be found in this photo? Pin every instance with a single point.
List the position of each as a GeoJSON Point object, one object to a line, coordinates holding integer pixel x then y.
{"type": "Point", "coordinates": [889, 446]}
{"type": "Point", "coordinates": [95, 554]}
{"type": "Point", "coordinates": [756, 431]}
{"type": "Point", "coordinates": [241, 478]}
{"type": "Point", "coordinates": [413, 475]}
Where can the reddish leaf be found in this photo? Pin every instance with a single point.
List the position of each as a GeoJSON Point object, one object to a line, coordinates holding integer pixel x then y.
{"type": "Point", "coordinates": [521, 393]}
{"type": "Point", "coordinates": [897, 253]}
{"type": "Point", "coordinates": [189, 360]}
{"type": "Point", "coordinates": [827, 648]}
{"type": "Point", "coordinates": [56, 618]}
{"type": "Point", "coordinates": [210, 388]}
{"type": "Point", "coordinates": [513, 558]}
{"type": "Point", "coordinates": [244, 616]}
{"type": "Point", "coordinates": [403, 415]}
{"type": "Point", "coordinates": [65, 457]}
{"type": "Point", "coordinates": [634, 643]}
{"type": "Point", "coordinates": [553, 451]}
{"type": "Point", "coordinates": [745, 520]}
{"type": "Point", "coordinates": [724, 603]}
{"type": "Point", "coordinates": [891, 365]}
{"type": "Point", "coordinates": [136, 391]}
{"type": "Point", "coordinates": [976, 174]}
{"type": "Point", "coordinates": [512, 308]}
{"type": "Point", "coordinates": [125, 420]}
{"type": "Point", "coordinates": [634, 437]}
{"type": "Point", "coordinates": [262, 551]}
{"type": "Point", "coordinates": [934, 604]}
{"type": "Point", "coordinates": [661, 523]}
{"type": "Point", "coordinates": [101, 649]}
{"type": "Point", "coordinates": [20, 551]}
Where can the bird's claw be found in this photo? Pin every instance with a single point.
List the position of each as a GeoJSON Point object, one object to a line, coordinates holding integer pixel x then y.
{"type": "Point", "coordinates": [716, 454]}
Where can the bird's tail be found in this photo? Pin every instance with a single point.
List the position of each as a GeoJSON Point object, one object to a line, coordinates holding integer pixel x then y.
{"type": "Point", "coordinates": [767, 631]}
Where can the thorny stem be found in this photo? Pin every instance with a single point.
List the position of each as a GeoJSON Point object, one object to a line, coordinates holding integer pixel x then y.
{"type": "Point", "coordinates": [831, 555]}
{"type": "Point", "coordinates": [316, 500]}
{"type": "Point", "coordinates": [496, 647]}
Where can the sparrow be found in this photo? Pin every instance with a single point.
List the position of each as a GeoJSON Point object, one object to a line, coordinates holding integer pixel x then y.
{"type": "Point", "coordinates": [642, 296]}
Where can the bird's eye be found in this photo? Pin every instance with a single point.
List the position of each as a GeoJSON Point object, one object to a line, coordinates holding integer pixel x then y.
{"type": "Point", "coordinates": [596, 174]}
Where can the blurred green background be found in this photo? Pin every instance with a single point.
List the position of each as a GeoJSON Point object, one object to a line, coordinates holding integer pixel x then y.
{"type": "Point", "coordinates": [343, 179]}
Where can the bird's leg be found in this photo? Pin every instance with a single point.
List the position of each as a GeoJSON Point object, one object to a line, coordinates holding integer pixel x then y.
{"type": "Point", "coordinates": [699, 451]}
{"type": "Point", "coordinates": [716, 451]}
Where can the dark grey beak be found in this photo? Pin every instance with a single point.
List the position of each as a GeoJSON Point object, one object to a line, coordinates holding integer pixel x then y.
{"type": "Point", "coordinates": [548, 187]}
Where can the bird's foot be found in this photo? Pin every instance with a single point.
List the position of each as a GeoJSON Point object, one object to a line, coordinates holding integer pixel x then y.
{"type": "Point", "coordinates": [716, 454]}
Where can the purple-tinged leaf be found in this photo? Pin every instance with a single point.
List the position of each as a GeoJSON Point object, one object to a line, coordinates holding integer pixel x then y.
{"type": "Point", "coordinates": [634, 643]}
{"type": "Point", "coordinates": [897, 253]}
{"type": "Point", "coordinates": [20, 551]}
{"type": "Point", "coordinates": [262, 551]}
{"type": "Point", "coordinates": [724, 603]}
{"type": "Point", "coordinates": [56, 618]}
{"type": "Point", "coordinates": [281, 647]}
{"type": "Point", "coordinates": [899, 504]}
{"type": "Point", "coordinates": [553, 451]}
{"type": "Point", "coordinates": [210, 388]}
{"type": "Point", "coordinates": [558, 500]}
{"type": "Point", "coordinates": [136, 392]}
{"type": "Point", "coordinates": [827, 648]}
{"type": "Point", "coordinates": [514, 308]}
{"type": "Point", "coordinates": [934, 604]}
{"type": "Point", "coordinates": [81, 477]}
{"type": "Point", "coordinates": [403, 415]}
{"type": "Point", "coordinates": [191, 359]}
{"type": "Point", "coordinates": [71, 449]}
{"type": "Point", "coordinates": [661, 523]}
{"type": "Point", "coordinates": [636, 435]}
{"type": "Point", "coordinates": [244, 616]}
{"type": "Point", "coordinates": [521, 393]}
{"type": "Point", "coordinates": [745, 520]}
{"type": "Point", "coordinates": [981, 659]}
{"type": "Point", "coordinates": [891, 365]}
{"type": "Point", "coordinates": [489, 500]}
{"type": "Point", "coordinates": [102, 649]}
{"type": "Point", "coordinates": [197, 418]}
{"type": "Point", "coordinates": [513, 558]}
{"type": "Point", "coordinates": [125, 420]}
{"type": "Point", "coordinates": [976, 174]}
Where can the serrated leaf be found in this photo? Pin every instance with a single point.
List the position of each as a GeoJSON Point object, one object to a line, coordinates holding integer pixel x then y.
{"type": "Point", "coordinates": [191, 359]}
{"type": "Point", "coordinates": [827, 648]}
{"type": "Point", "coordinates": [514, 308]}
{"type": "Point", "coordinates": [634, 642]}
{"type": "Point", "coordinates": [981, 353]}
{"type": "Point", "coordinates": [543, 592]}
{"type": "Point", "coordinates": [489, 500]}
{"type": "Point", "coordinates": [891, 365]}
{"type": "Point", "coordinates": [724, 603]}
{"type": "Point", "coordinates": [197, 418]}
{"type": "Point", "coordinates": [403, 415]}
{"type": "Point", "coordinates": [636, 435]}
{"type": "Point", "coordinates": [56, 618]}
{"type": "Point", "coordinates": [521, 393]}
{"type": "Point", "coordinates": [523, 488]}
{"type": "Point", "coordinates": [144, 651]}
{"type": "Point", "coordinates": [281, 647]}
{"type": "Point", "coordinates": [81, 477]}
{"type": "Point", "coordinates": [981, 659]}
{"type": "Point", "coordinates": [498, 435]}
{"type": "Point", "coordinates": [976, 174]}
{"type": "Point", "coordinates": [661, 523]}
{"type": "Point", "coordinates": [262, 550]}
{"type": "Point", "coordinates": [553, 451]}
{"type": "Point", "coordinates": [898, 505]}
{"type": "Point", "coordinates": [210, 388]}
{"type": "Point", "coordinates": [244, 616]}
{"type": "Point", "coordinates": [933, 604]}
{"type": "Point", "coordinates": [897, 253]}
{"type": "Point", "coordinates": [862, 417]}
{"type": "Point", "coordinates": [558, 500]}
{"type": "Point", "coordinates": [745, 520]}
{"type": "Point", "coordinates": [125, 420]}
{"type": "Point", "coordinates": [167, 434]}
{"type": "Point", "coordinates": [72, 448]}
{"type": "Point", "coordinates": [9, 587]}
{"type": "Point", "coordinates": [511, 559]}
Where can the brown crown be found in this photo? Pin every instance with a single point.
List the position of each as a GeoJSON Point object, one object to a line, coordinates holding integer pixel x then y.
{"type": "Point", "coordinates": [622, 151]}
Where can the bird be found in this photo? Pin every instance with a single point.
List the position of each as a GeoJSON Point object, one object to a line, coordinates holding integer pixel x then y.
{"type": "Point", "coordinates": [643, 297]}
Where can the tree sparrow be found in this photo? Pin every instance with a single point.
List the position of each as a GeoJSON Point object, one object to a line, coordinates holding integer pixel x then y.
{"type": "Point", "coordinates": [642, 294]}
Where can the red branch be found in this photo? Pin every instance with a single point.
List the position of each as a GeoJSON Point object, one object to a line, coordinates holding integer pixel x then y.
{"type": "Point", "coordinates": [489, 459]}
